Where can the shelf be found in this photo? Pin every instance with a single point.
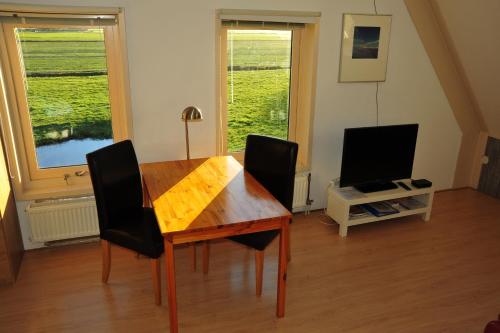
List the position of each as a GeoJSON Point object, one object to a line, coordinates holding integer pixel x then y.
{"type": "Point", "coordinates": [367, 219]}
{"type": "Point", "coordinates": [340, 201]}
{"type": "Point", "coordinates": [355, 197]}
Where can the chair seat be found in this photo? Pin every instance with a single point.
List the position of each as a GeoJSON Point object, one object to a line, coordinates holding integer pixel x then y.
{"type": "Point", "coordinates": [258, 241]}
{"type": "Point", "coordinates": [137, 233]}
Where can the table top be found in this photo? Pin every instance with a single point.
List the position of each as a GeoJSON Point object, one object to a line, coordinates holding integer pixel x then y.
{"type": "Point", "coordinates": [207, 193]}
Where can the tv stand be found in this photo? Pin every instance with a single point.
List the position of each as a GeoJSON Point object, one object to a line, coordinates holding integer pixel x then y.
{"type": "Point", "coordinates": [375, 187]}
{"type": "Point", "coordinates": [342, 200]}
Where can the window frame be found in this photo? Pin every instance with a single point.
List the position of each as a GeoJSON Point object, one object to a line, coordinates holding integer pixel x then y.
{"type": "Point", "coordinates": [30, 181]}
{"type": "Point", "coordinates": [303, 78]}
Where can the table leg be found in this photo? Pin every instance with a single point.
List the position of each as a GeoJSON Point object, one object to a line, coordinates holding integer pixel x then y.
{"type": "Point", "coordinates": [172, 298]}
{"type": "Point", "coordinates": [280, 306]}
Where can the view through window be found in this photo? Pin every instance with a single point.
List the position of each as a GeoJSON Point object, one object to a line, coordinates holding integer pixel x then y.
{"type": "Point", "coordinates": [66, 84]}
{"type": "Point", "coordinates": [258, 84]}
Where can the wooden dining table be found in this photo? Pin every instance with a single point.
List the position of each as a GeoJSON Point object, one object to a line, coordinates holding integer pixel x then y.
{"type": "Point", "coordinates": [208, 198]}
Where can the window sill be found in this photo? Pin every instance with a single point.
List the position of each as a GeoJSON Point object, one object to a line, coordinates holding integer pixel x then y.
{"type": "Point", "coordinates": [45, 191]}
{"type": "Point", "coordinates": [301, 168]}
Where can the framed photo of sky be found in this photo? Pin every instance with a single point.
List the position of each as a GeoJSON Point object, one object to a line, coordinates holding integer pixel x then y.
{"type": "Point", "coordinates": [365, 44]}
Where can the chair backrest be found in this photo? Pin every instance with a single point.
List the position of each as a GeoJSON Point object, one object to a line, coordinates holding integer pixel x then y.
{"type": "Point", "coordinates": [116, 180]}
{"type": "Point", "coordinates": [272, 162]}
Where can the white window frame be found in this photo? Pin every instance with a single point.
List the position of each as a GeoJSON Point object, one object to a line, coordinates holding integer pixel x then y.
{"type": "Point", "coordinates": [303, 75]}
{"type": "Point", "coordinates": [30, 181]}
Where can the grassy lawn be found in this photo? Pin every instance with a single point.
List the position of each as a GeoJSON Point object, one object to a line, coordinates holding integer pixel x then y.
{"type": "Point", "coordinates": [71, 107]}
{"type": "Point", "coordinates": [257, 99]}
{"type": "Point", "coordinates": [259, 48]}
{"type": "Point", "coordinates": [62, 51]}
{"type": "Point", "coordinates": [260, 106]}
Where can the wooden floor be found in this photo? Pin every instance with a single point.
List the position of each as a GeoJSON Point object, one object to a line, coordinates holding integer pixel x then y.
{"type": "Point", "coordinates": [395, 276]}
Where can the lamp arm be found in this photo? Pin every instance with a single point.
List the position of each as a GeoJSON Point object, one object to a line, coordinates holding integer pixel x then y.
{"type": "Point", "coordinates": [187, 139]}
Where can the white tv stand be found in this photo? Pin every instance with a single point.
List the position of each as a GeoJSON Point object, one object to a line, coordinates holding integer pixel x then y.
{"type": "Point", "coordinates": [340, 201]}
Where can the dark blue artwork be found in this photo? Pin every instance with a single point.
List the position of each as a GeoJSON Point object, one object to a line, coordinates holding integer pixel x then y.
{"type": "Point", "coordinates": [366, 42]}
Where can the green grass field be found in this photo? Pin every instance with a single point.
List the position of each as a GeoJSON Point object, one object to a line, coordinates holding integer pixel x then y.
{"type": "Point", "coordinates": [62, 51]}
{"type": "Point", "coordinates": [66, 107]}
{"type": "Point", "coordinates": [258, 49]}
{"type": "Point", "coordinates": [71, 107]}
{"type": "Point", "coordinates": [260, 106]}
{"type": "Point", "coordinates": [71, 100]}
{"type": "Point", "coordinates": [257, 99]}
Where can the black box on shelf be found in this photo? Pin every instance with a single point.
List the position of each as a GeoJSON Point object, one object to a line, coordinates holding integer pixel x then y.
{"type": "Point", "coordinates": [421, 183]}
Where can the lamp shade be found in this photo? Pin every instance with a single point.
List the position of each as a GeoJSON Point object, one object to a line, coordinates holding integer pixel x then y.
{"type": "Point", "coordinates": [191, 113]}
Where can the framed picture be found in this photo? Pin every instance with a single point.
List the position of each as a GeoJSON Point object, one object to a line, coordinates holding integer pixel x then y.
{"type": "Point", "coordinates": [365, 44]}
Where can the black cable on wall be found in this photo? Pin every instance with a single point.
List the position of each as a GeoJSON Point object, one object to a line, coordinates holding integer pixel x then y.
{"type": "Point", "coordinates": [376, 92]}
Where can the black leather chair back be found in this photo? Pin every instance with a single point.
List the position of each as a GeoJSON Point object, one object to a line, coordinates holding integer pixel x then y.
{"type": "Point", "coordinates": [116, 179]}
{"type": "Point", "coordinates": [272, 162]}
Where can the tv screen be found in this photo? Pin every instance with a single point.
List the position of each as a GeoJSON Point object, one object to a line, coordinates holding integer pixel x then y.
{"type": "Point", "coordinates": [377, 154]}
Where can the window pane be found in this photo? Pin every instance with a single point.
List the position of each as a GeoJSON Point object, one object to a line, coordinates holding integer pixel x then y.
{"type": "Point", "coordinates": [66, 82]}
{"type": "Point", "coordinates": [258, 84]}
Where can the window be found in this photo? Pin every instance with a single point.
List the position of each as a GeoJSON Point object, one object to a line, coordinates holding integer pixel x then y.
{"type": "Point", "coordinates": [66, 75]}
{"type": "Point", "coordinates": [267, 74]}
{"type": "Point", "coordinates": [67, 110]}
{"type": "Point", "coordinates": [259, 66]}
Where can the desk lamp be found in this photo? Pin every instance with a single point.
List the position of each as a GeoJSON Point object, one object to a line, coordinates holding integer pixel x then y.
{"type": "Point", "coordinates": [191, 113]}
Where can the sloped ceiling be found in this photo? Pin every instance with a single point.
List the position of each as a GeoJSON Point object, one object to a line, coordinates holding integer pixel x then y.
{"type": "Point", "coordinates": [472, 28]}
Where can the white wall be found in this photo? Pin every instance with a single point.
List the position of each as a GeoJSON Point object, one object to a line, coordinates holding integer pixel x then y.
{"type": "Point", "coordinates": [171, 49]}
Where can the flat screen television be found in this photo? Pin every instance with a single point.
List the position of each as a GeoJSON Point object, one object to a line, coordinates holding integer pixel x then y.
{"type": "Point", "coordinates": [373, 157]}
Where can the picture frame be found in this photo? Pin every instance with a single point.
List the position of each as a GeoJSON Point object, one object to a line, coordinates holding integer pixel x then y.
{"type": "Point", "coordinates": [365, 46]}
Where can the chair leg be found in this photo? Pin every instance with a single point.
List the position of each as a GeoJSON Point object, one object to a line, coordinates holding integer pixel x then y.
{"type": "Point", "coordinates": [259, 271]}
{"type": "Point", "coordinates": [206, 255]}
{"type": "Point", "coordinates": [193, 255]}
{"type": "Point", "coordinates": [106, 260]}
{"type": "Point", "coordinates": [156, 273]}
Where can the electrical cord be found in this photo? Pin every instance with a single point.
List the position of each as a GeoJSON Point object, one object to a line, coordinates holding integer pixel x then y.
{"type": "Point", "coordinates": [330, 224]}
{"type": "Point", "coordinates": [376, 92]}
{"type": "Point", "coordinates": [335, 181]}
{"type": "Point", "coordinates": [376, 103]}
{"type": "Point", "coordinates": [331, 183]}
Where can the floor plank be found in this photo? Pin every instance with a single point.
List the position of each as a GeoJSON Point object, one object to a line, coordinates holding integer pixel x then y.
{"type": "Point", "coordinates": [396, 276]}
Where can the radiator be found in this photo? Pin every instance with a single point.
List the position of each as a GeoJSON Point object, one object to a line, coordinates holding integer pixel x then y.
{"type": "Point", "coordinates": [59, 219]}
{"type": "Point", "coordinates": [300, 192]}
{"type": "Point", "coordinates": [52, 220]}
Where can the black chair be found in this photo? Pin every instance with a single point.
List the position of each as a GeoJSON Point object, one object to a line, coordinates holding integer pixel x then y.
{"type": "Point", "coordinates": [123, 220]}
{"type": "Point", "coordinates": [272, 162]}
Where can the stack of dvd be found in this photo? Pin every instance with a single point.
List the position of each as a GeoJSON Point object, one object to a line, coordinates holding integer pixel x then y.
{"type": "Point", "coordinates": [380, 208]}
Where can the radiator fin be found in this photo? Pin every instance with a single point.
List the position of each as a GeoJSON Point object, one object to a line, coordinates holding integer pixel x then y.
{"type": "Point", "coordinates": [63, 219]}
{"type": "Point", "coordinates": [300, 192]}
